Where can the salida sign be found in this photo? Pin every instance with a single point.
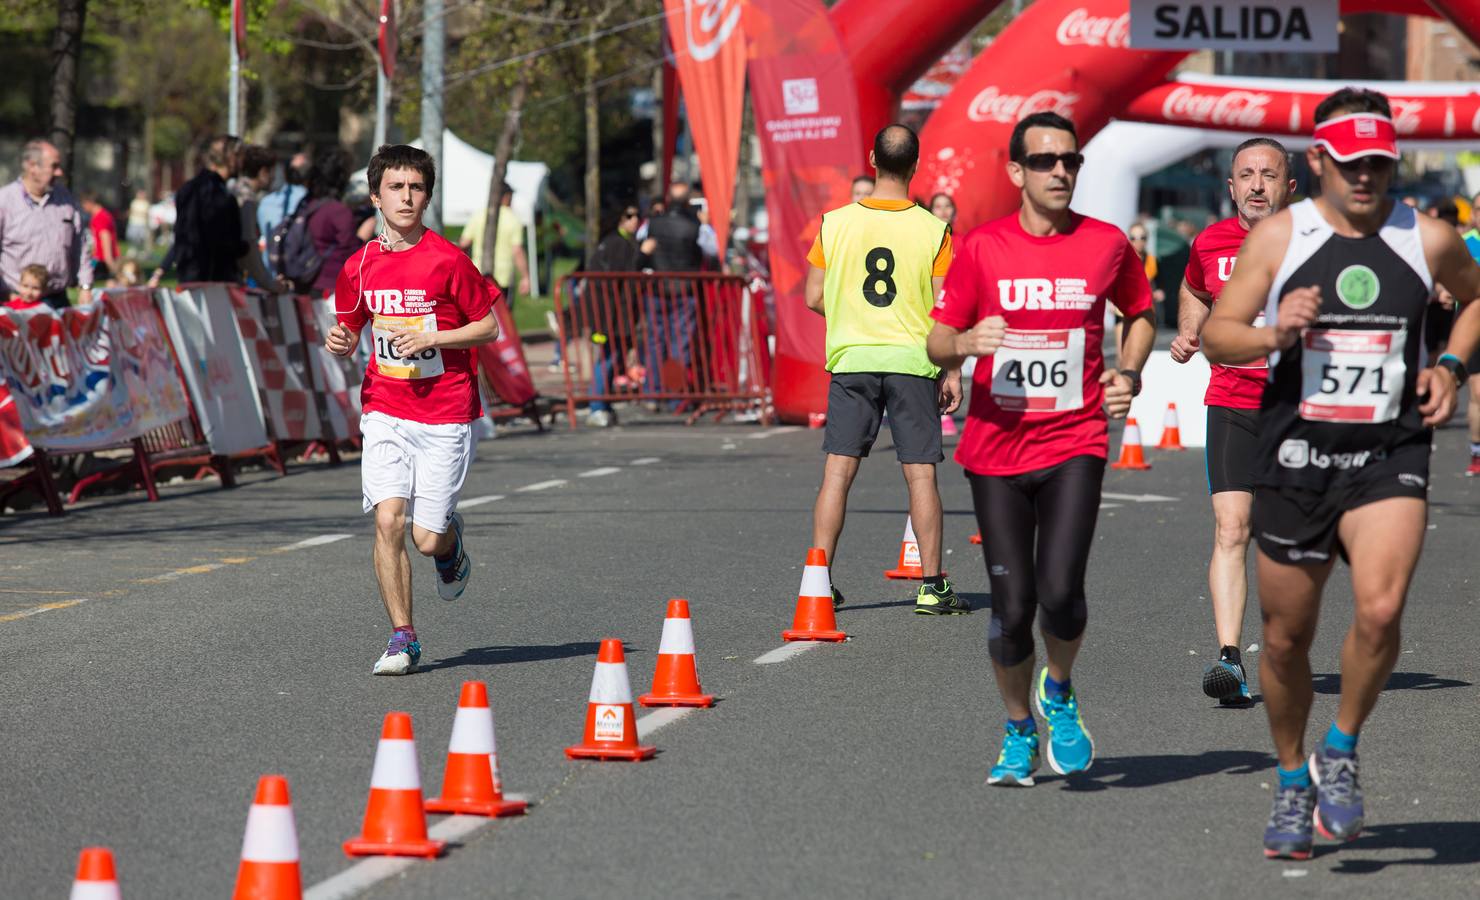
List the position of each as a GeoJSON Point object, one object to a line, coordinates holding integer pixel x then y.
{"type": "Point", "coordinates": [1299, 25]}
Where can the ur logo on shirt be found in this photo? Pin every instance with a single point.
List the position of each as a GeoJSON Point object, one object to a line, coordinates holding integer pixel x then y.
{"type": "Point", "coordinates": [1043, 293]}
{"type": "Point", "coordinates": [386, 302]}
{"type": "Point", "coordinates": [1225, 267]}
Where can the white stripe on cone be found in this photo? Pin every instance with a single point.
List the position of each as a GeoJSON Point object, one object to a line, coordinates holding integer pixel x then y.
{"type": "Point", "coordinates": [95, 890]}
{"type": "Point", "coordinates": [909, 530]}
{"type": "Point", "coordinates": [1132, 434]}
{"type": "Point", "coordinates": [395, 766]}
{"type": "Point", "coordinates": [1170, 419]}
{"type": "Point", "coordinates": [472, 731]}
{"type": "Point", "coordinates": [272, 836]}
{"type": "Point", "coordinates": [609, 684]}
{"type": "Point", "coordinates": [816, 582]}
{"type": "Point", "coordinates": [678, 637]}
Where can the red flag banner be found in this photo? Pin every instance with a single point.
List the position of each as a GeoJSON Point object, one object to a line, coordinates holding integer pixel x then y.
{"type": "Point", "coordinates": [387, 42]}
{"type": "Point", "coordinates": [239, 27]}
{"type": "Point", "coordinates": [806, 114]}
{"type": "Point", "coordinates": [710, 48]}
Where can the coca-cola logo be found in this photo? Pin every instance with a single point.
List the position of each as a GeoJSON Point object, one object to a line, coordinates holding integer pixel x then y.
{"type": "Point", "coordinates": [991, 105]}
{"type": "Point", "coordinates": [1407, 115]}
{"type": "Point", "coordinates": [1230, 109]}
{"type": "Point", "coordinates": [707, 24]}
{"type": "Point", "coordinates": [1081, 28]}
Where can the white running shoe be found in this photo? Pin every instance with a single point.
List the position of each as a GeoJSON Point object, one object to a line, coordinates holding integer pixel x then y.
{"type": "Point", "coordinates": [400, 657]}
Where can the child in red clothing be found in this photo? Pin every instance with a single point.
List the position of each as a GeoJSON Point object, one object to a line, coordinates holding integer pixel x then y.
{"type": "Point", "coordinates": [33, 285]}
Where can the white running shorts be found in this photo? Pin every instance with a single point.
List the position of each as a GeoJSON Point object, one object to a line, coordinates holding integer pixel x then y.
{"type": "Point", "coordinates": [423, 464]}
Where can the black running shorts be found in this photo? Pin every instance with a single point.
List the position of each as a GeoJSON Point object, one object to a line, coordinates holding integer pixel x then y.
{"type": "Point", "coordinates": [1299, 525]}
{"type": "Point", "coordinates": [1231, 448]}
{"type": "Point", "coordinates": [856, 402]}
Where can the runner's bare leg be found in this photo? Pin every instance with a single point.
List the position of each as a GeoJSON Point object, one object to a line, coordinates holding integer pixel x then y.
{"type": "Point", "coordinates": [1227, 573]}
{"type": "Point", "coordinates": [1290, 600]}
{"type": "Point", "coordinates": [392, 565]}
{"type": "Point", "coordinates": [925, 513]}
{"type": "Point", "coordinates": [832, 503]}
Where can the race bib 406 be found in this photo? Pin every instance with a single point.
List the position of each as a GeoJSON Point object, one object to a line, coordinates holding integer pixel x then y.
{"type": "Point", "coordinates": [1039, 371]}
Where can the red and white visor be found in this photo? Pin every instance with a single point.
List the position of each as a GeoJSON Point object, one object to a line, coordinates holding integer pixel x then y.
{"type": "Point", "coordinates": [1357, 135]}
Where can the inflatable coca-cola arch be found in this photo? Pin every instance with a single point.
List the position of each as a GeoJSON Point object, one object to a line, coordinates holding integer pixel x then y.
{"type": "Point", "coordinates": [1071, 56]}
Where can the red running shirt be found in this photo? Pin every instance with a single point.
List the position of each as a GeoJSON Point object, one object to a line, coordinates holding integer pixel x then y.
{"type": "Point", "coordinates": [1208, 269]}
{"type": "Point", "coordinates": [430, 287]}
{"type": "Point", "coordinates": [1037, 401]}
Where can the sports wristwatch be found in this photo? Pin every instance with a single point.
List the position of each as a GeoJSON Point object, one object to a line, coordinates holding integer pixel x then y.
{"type": "Point", "coordinates": [1135, 378]}
{"type": "Point", "coordinates": [1456, 368]}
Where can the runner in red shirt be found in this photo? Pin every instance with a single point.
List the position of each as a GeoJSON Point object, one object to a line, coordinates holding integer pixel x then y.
{"type": "Point", "coordinates": [1027, 293]}
{"type": "Point", "coordinates": [104, 229]}
{"type": "Point", "coordinates": [427, 306]}
{"type": "Point", "coordinates": [1259, 184]}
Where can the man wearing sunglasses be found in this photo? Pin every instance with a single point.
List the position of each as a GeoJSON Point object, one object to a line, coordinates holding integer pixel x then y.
{"type": "Point", "coordinates": [1027, 294]}
{"type": "Point", "coordinates": [1259, 183]}
{"type": "Point", "coordinates": [1344, 436]}
{"type": "Point", "coordinates": [876, 266]}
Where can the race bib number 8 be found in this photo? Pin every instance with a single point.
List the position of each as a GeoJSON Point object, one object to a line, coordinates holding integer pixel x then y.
{"type": "Point", "coordinates": [1351, 376]}
{"type": "Point", "coordinates": [1039, 371]}
{"type": "Point", "coordinates": [423, 364]}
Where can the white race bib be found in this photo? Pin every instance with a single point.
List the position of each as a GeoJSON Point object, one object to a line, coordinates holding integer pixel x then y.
{"type": "Point", "coordinates": [1351, 376]}
{"type": "Point", "coordinates": [425, 364]}
{"type": "Point", "coordinates": [1039, 371]}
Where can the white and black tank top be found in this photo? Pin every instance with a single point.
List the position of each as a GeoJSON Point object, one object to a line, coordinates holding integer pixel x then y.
{"type": "Point", "coordinates": [1344, 395]}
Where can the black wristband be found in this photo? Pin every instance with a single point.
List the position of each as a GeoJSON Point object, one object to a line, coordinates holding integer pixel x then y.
{"type": "Point", "coordinates": [1456, 367]}
{"type": "Point", "coordinates": [1135, 379]}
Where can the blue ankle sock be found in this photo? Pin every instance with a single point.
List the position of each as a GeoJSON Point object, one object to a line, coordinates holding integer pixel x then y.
{"type": "Point", "coordinates": [1298, 777]}
{"type": "Point", "coordinates": [1056, 688]}
{"type": "Point", "coordinates": [1024, 726]}
{"type": "Point", "coordinates": [1340, 741]}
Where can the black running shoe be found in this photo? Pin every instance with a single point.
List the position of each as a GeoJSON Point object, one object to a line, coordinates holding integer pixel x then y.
{"type": "Point", "coordinates": [1226, 682]}
{"type": "Point", "coordinates": [931, 602]}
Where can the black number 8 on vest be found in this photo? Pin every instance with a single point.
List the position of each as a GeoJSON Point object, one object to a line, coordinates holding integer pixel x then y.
{"type": "Point", "coordinates": [878, 281]}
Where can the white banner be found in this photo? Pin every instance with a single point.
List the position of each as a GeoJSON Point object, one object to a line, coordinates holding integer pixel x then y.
{"type": "Point", "coordinates": [202, 326]}
{"type": "Point", "coordinates": [1308, 26]}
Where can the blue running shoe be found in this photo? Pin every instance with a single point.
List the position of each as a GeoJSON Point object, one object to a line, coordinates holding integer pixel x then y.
{"type": "Point", "coordinates": [1018, 760]}
{"type": "Point", "coordinates": [1288, 836]}
{"type": "Point", "coordinates": [1338, 795]}
{"type": "Point", "coordinates": [1226, 682]}
{"type": "Point", "coordinates": [1070, 746]}
{"type": "Point", "coordinates": [453, 575]}
{"type": "Point", "coordinates": [400, 657]}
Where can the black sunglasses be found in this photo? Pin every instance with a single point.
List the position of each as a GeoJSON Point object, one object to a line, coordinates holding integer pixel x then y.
{"type": "Point", "coordinates": [1045, 162]}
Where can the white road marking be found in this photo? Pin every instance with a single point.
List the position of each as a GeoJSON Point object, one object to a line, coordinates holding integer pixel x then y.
{"type": "Point", "coordinates": [597, 473]}
{"type": "Point", "coordinates": [659, 717]}
{"type": "Point", "coordinates": [1109, 505]}
{"type": "Point", "coordinates": [542, 485]}
{"type": "Point", "coordinates": [646, 461]}
{"type": "Point", "coordinates": [314, 542]}
{"type": "Point", "coordinates": [44, 607]}
{"type": "Point", "coordinates": [478, 501]}
{"type": "Point", "coordinates": [1141, 498]}
{"type": "Point", "coordinates": [181, 573]}
{"type": "Point", "coordinates": [786, 651]}
{"type": "Point", "coordinates": [785, 429]}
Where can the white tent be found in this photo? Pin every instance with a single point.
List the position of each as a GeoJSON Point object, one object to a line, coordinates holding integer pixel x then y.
{"type": "Point", "coordinates": [465, 175]}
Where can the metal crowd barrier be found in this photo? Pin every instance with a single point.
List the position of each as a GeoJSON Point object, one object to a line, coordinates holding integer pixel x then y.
{"type": "Point", "coordinates": [692, 341]}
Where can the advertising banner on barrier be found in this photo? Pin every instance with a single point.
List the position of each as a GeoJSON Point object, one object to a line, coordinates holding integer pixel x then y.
{"type": "Point", "coordinates": [96, 376]}
{"type": "Point", "coordinates": [801, 87]}
{"type": "Point", "coordinates": [336, 379]}
{"type": "Point", "coordinates": [14, 448]}
{"type": "Point", "coordinates": [202, 325]}
{"type": "Point", "coordinates": [273, 342]}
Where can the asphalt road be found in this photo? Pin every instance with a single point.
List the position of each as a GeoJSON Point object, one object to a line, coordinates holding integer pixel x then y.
{"type": "Point", "coordinates": [162, 656]}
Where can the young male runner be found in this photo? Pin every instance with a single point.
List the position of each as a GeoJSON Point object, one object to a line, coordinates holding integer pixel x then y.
{"type": "Point", "coordinates": [1027, 293]}
{"type": "Point", "coordinates": [876, 267]}
{"type": "Point", "coordinates": [1345, 431]}
{"type": "Point", "coordinates": [427, 305]}
{"type": "Point", "coordinates": [1259, 182]}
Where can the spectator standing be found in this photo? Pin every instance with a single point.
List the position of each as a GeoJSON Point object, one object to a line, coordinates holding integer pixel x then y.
{"type": "Point", "coordinates": [862, 187]}
{"type": "Point", "coordinates": [255, 177]}
{"type": "Point", "coordinates": [41, 223]}
{"type": "Point", "coordinates": [277, 205]}
{"type": "Point", "coordinates": [137, 231]}
{"type": "Point", "coordinates": [508, 247]}
{"type": "Point", "coordinates": [330, 220]}
{"type": "Point", "coordinates": [612, 323]}
{"type": "Point", "coordinates": [104, 229]}
{"type": "Point", "coordinates": [673, 242]}
{"type": "Point", "coordinates": [208, 224]}
{"type": "Point", "coordinates": [943, 207]}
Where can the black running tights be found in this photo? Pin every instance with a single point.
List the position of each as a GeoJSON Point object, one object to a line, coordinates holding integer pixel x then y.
{"type": "Point", "coordinates": [1037, 529]}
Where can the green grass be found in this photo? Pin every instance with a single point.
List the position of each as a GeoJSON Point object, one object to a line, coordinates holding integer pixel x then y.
{"type": "Point", "coordinates": [529, 312]}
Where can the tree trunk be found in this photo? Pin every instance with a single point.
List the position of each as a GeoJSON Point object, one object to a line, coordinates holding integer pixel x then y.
{"type": "Point", "coordinates": [501, 152]}
{"type": "Point", "coordinates": [66, 52]}
{"type": "Point", "coordinates": [593, 150]}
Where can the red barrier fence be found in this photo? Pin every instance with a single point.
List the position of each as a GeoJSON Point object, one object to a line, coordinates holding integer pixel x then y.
{"type": "Point", "coordinates": [696, 340]}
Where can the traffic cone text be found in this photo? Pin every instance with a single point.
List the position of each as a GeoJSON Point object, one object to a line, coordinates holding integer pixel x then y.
{"type": "Point", "coordinates": [611, 726]}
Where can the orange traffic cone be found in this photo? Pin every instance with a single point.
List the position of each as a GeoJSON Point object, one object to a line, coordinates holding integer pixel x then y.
{"type": "Point", "coordinates": [471, 783]}
{"type": "Point", "coordinates": [909, 555]}
{"type": "Point", "coordinates": [395, 823]}
{"type": "Point", "coordinates": [611, 726]}
{"type": "Point", "coordinates": [976, 538]}
{"type": "Point", "coordinates": [1132, 454]}
{"type": "Point", "coordinates": [1171, 430]}
{"type": "Point", "coordinates": [96, 878]}
{"type": "Point", "coordinates": [676, 680]}
{"type": "Point", "coordinates": [269, 868]}
{"type": "Point", "coordinates": [814, 619]}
